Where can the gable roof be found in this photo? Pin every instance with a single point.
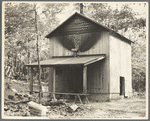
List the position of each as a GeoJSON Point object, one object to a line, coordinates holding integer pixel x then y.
{"type": "Point", "coordinates": [99, 25]}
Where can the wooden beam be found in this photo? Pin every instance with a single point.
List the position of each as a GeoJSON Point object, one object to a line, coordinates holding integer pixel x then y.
{"type": "Point", "coordinates": [31, 80]}
{"type": "Point", "coordinates": [52, 73]}
{"type": "Point", "coordinates": [54, 80]}
{"type": "Point", "coordinates": [50, 81]}
{"type": "Point", "coordinates": [85, 79]}
{"type": "Point", "coordinates": [80, 99]}
{"type": "Point", "coordinates": [62, 93]}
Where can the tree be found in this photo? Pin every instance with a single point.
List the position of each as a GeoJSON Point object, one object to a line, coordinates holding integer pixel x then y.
{"type": "Point", "coordinates": [125, 22]}
{"type": "Point", "coordinates": [20, 28]}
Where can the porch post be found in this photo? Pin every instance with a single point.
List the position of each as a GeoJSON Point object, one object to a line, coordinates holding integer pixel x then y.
{"type": "Point", "coordinates": [54, 79]}
{"type": "Point", "coordinates": [31, 80]}
{"type": "Point", "coordinates": [85, 79]}
{"type": "Point", "coordinates": [50, 81]}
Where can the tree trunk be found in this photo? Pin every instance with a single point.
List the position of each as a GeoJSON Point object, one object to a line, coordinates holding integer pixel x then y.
{"type": "Point", "coordinates": [39, 67]}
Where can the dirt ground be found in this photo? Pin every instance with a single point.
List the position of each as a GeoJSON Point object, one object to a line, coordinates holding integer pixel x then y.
{"type": "Point", "coordinates": [127, 107]}
{"type": "Point", "coordinates": [133, 107]}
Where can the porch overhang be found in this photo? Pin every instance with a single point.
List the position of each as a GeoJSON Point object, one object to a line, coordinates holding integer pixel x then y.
{"type": "Point", "coordinates": [70, 60]}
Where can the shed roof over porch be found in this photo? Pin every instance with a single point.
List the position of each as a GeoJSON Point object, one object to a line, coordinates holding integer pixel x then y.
{"type": "Point", "coordinates": [70, 60]}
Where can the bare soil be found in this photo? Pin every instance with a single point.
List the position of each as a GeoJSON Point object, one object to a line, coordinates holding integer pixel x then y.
{"type": "Point", "coordinates": [132, 107]}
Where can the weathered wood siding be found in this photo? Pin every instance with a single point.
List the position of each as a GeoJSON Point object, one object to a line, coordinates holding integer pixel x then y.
{"type": "Point", "coordinates": [120, 65]}
{"type": "Point", "coordinates": [98, 73]}
{"type": "Point", "coordinates": [76, 25]}
{"type": "Point", "coordinates": [69, 79]}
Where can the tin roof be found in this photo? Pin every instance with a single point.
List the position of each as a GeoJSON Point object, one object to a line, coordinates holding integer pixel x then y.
{"type": "Point", "coordinates": [85, 60]}
{"type": "Point", "coordinates": [100, 25]}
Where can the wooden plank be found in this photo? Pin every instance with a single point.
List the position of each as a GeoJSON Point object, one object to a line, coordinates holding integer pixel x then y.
{"type": "Point", "coordinates": [75, 32]}
{"type": "Point", "coordinates": [56, 46]}
{"type": "Point", "coordinates": [96, 44]}
{"type": "Point", "coordinates": [60, 43]}
{"type": "Point", "coordinates": [54, 80]}
{"type": "Point", "coordinates": [37, 108]}
{"type": "Point", "coordinates": [92, 78]}
{"type": "Point", "coordinates": [95, 77]}
{"type": "Point", "coordinates": [88, 81]}
{"type": "Point", "coordinates": [101, 76]}
{"type": "Point", "coordinates": [104, 48]}
{"type": "Point", "coordinates": [63, 48]}
{"type": "Point", "coordinates": [51, 45]}
{"type": "Point", "coordinates": [80, 99]}
{"type": "Point", "coordinates": [31, 79]}
{"type": "Point", "coordinates": [78, 28]}
{"type": "Point", "coordinates": [33, 91]}
{"type": "Point", "coordinates": [50, 82]}
{"type": "Point", "coordinates": [87, 99]}
{"type": "Point", "coordinates": [85, 79]}
{"type": "Point", "coordinates": [82, 24]}
{"type": "Point", "coordinates": [65, 93]}
{"type": "Point", "coordinates": [98, 79]}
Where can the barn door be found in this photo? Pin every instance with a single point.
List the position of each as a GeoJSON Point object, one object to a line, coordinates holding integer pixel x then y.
{"type": "Point", "coordinates": [122, 86]}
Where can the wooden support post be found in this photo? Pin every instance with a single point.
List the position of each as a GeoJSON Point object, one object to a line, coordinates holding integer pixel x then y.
{"type": "Point", "coordinates": [85, 79]}
{"type": "Point", "coordinates": [54, 80]}
{"type": "Point", "coordinates": [80, 99]}
{"type": "Point", "coordinates": [87, 99]}
{"type": "Point", "coordinates": [31, 80]}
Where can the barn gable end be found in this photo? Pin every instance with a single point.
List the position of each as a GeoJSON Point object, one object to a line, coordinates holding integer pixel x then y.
{"type": "Point", "coordinates": [103, 77]}
{"type": "Point", "coordinates": [78, 23]}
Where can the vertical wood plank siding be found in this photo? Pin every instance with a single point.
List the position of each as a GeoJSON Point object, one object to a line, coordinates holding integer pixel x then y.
{"type": "Point", "coordinates": [120, 65]}
{"type": "Point", "coordinates": [98, 73]}
{"type": "Point", "coordinates": [50, 82]}
{"type": "Point", "coordinates": [76, 25]}
{"type": "Point", "coordinates": [92, 40]}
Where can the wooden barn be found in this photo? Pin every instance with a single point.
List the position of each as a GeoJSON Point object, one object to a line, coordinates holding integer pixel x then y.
{"type": "Point", "coordinates": [88, 58]}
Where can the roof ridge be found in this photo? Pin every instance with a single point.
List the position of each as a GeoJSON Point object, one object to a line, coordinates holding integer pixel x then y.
{"type": "Point", "coordinates": [91, 21]}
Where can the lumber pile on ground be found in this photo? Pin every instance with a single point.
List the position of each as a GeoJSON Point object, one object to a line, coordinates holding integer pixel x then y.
{"type": "Point", "coordinates": [37, 109]}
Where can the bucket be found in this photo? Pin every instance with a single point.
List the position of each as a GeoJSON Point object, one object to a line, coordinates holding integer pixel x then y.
{"type": "Point", "coordinates": [44, 88]}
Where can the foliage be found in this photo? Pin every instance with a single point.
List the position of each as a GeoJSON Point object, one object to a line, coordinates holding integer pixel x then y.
{"type": "Point", "coordinates": [20, 35]}
{"type": "Point", "coordinates": [20, 32]}
{"type": "Point", "coordinates": [125, 22]}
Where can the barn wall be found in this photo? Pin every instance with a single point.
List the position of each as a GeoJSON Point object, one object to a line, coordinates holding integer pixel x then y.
{"type": "Point", "coordinates": [99, 40]}
{"type": "Point", "coordinates": [77, 24]}
{"type": "Point", "coordinates": [98, 73]}
{"type": "Point", "coordinates": [69, 79]}
{"type": "Point", "coordinates": [120, 65]}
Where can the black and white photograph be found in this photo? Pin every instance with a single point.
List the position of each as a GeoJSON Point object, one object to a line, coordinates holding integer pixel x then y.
{"type": "Point", "coordinates": [74, 60]}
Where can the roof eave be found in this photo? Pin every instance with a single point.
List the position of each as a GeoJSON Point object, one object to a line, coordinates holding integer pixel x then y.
{"type": "Point", "coordinates": [48, 36]}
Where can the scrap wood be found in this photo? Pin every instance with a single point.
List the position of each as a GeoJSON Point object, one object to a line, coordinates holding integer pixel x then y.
{"type": "Point", "coordinates": [37, 109]}
{"type": "Point", "coordinates": [16, 102]}
{"type": "Point", "coordinates": [73, 107]}
{"type": "Point", "coordinates": [53, 103]}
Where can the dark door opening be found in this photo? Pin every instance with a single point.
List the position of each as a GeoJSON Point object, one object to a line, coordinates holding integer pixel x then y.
{"type": "Point", "coordinates": [122, 86]}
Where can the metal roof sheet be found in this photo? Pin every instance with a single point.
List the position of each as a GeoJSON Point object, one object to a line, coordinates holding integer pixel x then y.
{"type": "Point", "coordinates": [69, 61]}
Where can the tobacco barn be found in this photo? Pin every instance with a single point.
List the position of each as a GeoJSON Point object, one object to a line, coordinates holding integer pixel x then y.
{"type": "Point", "coordinates": [88, 58]}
